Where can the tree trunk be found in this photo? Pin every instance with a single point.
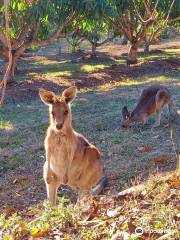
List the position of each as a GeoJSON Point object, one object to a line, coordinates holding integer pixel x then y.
{"type": "Point", "coordinates": [12, 70]}
{"type": "Point", "coordinates": [93, 54]}
{"type": "Point", "coordinates": [132, 54]}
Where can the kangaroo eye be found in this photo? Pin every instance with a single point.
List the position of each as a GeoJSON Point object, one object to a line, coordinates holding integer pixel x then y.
{"type": "Point", "coordinates": [66, 112]}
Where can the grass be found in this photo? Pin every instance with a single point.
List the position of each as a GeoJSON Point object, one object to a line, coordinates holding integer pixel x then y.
{"type": "Point", "coordinates": [97, 115]}
{"type": "Point", "coordinates": [61, 69]}
{"type": "Point", "coordinates": [6, 125]}
{"type": "Point", "coordinates": [153, 209]}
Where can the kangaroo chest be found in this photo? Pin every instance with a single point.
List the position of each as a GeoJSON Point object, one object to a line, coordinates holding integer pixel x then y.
{"type": "Point", "coordinates": [60, 156]}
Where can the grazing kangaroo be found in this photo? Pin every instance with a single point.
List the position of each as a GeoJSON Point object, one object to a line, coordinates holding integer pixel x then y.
{"type": "Point", "coordinates": [70, 158]}
{"type": "Point", "coordinates": [151, 101]}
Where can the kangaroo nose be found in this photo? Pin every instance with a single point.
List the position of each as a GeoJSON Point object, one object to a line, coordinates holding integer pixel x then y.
{"type": "Point", "coordinates": [59, 126]}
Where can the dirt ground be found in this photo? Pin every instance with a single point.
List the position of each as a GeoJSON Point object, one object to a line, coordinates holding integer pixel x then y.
{"type": "Point", "coordinates": [28, 188]}
{"type": "Point", "coordinates": [115, 73]}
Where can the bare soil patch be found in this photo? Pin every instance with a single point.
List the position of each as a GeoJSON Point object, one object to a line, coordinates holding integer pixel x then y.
{"type": "Point", "coordinates": [115, 73]}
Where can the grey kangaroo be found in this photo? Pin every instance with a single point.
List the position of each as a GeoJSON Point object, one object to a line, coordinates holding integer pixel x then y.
{"type": "Point", "coordinates": [151, 101]}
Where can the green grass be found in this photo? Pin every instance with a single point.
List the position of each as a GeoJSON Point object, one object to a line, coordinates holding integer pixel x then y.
{"type": "Point", "coordinates": [97, 115]}
{"type": "Point", "coordinates": [61, 69]}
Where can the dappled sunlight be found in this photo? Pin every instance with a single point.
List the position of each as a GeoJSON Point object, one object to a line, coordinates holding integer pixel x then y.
{"type": "Point", "coordinates": [165, 54]}
{"type": "Point", "coordinates": [45, 60]}
{"type": "Point", "coordinates": [59, 74]}
{"type": "Point", "coordinates": [172, 50]}
{"type": "Point", "coordinates": [65, 69]}
{"type": "Point", "coordinates": [132, 82]}
{"type": "Point", "coordinates": [92, 68]}
{"type": "Point", "coordinates": [84, 90]}
{"type": "Point", "coordinates": [152, 57]}
{"type": "Point", "coordinates": [51, 62]}
{"type": "Point", "coordinates": [6, 125]}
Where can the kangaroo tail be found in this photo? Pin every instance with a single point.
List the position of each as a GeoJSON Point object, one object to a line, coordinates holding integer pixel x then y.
{"type": "Point", "coordinates": [100, 186]}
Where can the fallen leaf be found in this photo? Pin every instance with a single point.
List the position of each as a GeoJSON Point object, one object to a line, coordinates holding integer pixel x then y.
{"type": "Point", "coordinates": [8, 211]}
{"type": "Point", "coordinates": [174, 182]}
{"type": "Point", "coordinates": [20, 181]}
{"type": "Point", "coordinates": [159, 160]}
{"type": "Point", "coordinates": [94, 213]}
{"type": "Point", "coordinates": [177, 205]}
{"type": "Point", "coordinates": [177, 217]}
{"type": "Point", "coordinates": [131, 226]}
{"type": "Point", "coordinates": [37, 233]}
{"type": "Point", "coordinates": [23, 229]}
{"type": "Point", "coordinates": [150, 235]}
{"type": "Point", "coordinates": [145, 149]}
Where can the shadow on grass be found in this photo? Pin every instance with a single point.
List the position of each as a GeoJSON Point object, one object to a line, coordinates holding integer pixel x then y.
{"type": "Point", "coordinates": [86, 75]}
{"type": "Point", "coordinates": [97, 115]}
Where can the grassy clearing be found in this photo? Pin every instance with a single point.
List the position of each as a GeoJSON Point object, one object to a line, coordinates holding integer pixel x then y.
{"type": "Point", "coordinates": [51, 68]}
{"type": "Point", "coordinates": [97, 115]}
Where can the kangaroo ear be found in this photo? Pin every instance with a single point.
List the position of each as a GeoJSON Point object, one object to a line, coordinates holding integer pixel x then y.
{"type": "Point", "coordinates": [69, 94]}
{"type": "Point", "coordinates": [46, 96]}
{"type": "Point", "coordinates": [125, 112]}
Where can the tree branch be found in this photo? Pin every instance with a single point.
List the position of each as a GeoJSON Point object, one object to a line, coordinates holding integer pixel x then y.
{"type": "Point", "coordinates": [169, 12]}
{"type": "Point", "coordinates": [114, 24]}
{"type": "Point", "coordinates": [57, 34]}
{"type": "Point", "coordinates": [106, 40]}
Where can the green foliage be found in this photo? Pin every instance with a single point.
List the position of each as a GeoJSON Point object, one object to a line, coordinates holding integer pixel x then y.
{"type": "Point", "coordinates": [46, 218]}
{"type": "Point", "coordinates": [93, 28]}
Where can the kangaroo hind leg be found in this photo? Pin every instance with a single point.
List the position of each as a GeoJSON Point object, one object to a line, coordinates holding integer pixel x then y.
{"type": "Point", "coordinates": [160, 101]}
{"type": "Point", "coordinates": [170, 106]}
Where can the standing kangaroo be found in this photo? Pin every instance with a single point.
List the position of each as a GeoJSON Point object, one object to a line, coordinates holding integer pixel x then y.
{"type": "Point", "coordinates": [70, 158]}
{"type": "Point", "coordinates": [151, 101]}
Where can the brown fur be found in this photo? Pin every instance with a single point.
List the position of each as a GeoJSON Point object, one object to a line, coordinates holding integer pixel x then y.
{"type": "Point", "coordinates": [70, 158]}
{"type": "Point", "coordinates": [151, 101]}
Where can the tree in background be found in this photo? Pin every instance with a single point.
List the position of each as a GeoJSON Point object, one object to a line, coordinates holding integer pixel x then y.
{"type": "Point", "coordinates": [92, 29]}
{"type": "Point", "coordinates": [168, 16]}
{"type": "Point", "coordinates": [34, 23]}
{"type": "Point", "coordinates": [8, 42]}
{"type": "Point", "coordinates": [75, 39]}
{"type": "Point", "coordinates": [132, 19]}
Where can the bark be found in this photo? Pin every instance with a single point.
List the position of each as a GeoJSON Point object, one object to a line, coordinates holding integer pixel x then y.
{"type": "Point", "coordinates": [13, 68]}
{"type": "Point", "coordinates": [132, 54]}
{"type": "Point", "coordinates": [11, 76]}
